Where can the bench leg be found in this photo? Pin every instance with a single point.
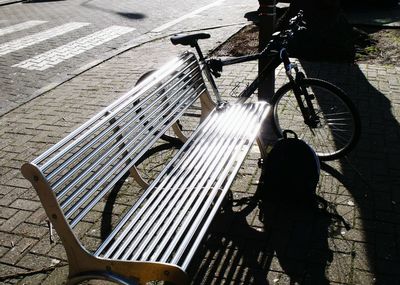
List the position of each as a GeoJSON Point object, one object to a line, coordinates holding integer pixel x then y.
{"type": "Point", "coordinates": [207, 104]}
{"type": "Point", "coordinates": [262, 147]}
{"type": "Point", "coordinates": [138, 178]}
{"type": "Point", "coordinates": [178, 132]}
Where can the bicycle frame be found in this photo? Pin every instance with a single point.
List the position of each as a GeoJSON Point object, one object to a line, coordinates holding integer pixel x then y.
{"type": "Point", "coordinates": [274, 60]}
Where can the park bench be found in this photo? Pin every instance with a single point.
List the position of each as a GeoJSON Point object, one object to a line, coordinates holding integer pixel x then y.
{"type": "Point", "coordinates": [158, 236]}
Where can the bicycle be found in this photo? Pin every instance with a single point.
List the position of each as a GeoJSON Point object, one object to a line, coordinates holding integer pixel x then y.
{"type": "Point", "coordinates": [319, 112]}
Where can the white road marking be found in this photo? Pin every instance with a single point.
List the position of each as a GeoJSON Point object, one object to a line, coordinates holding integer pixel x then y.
{"type": "Point", "coordinates": [39, 37]}
{"type": "Point", "coordinates": [20, 27]}
{"type": "Point", "coordinates": [55, 56]}
{"type": "Point", "coordinates": [190, 15]}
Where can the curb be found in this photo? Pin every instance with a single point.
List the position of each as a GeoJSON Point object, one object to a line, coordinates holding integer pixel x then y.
{"type": "Point", "coordinates": [9, 2]}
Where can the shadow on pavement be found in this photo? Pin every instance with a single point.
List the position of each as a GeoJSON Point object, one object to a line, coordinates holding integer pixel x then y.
{"type": "Point", "coordinates": [370, 173]}
{"type": "Point", "coordinates": [129, 15]}
{"type": "Point", "coordinates": [234, 252]}
{"type": "Point", "coordinates": [300, 245]}
{"type": "Point", "coordinates": [291, 246]}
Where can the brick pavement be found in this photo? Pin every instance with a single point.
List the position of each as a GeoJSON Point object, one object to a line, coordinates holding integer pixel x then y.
{"type": "Point", "coordinates": [293, 245]}
{"type": "Point", "coordinates": [24, 73]}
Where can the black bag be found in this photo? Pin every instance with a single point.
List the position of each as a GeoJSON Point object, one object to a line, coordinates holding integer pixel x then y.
{"type": "Point", "coordinates": [291, 172]}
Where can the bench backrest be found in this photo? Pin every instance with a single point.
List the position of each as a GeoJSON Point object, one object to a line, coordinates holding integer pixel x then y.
{"type": "Point", "coordinates": [83, 167]}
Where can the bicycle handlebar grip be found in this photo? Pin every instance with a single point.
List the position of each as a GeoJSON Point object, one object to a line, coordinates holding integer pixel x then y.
{"type": "Point", "coordinates": [297, 22]}
{"type": "Point", "coordinates": [215, 64]}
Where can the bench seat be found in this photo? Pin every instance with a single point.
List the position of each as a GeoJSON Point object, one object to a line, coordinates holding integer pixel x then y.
{"type": "Point", "coordinates": [170, 219]}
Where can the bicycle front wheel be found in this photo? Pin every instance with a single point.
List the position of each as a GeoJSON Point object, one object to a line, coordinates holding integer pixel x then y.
{"type": "Point", "coordinates": [337, 126]}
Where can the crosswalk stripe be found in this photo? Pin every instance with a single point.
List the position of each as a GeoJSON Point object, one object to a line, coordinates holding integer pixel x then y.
{"type": "Point", "coordinates": [57, 55]}
{"type": "Point", "coordinates": [39, 37]}
{"type": "Point", "coordinates": [20, 27]}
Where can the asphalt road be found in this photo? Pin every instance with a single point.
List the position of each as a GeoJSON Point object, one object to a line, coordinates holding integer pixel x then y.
{"type": "Point", "coordinates": [43, 42]}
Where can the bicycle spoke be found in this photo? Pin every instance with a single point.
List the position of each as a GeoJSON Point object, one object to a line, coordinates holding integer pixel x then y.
{"type": "Point", "coordinates": [337, 124]}
{"type": "Point", "coordinates": [337, 114]}
{"type": "Point", "coordinates": [342, 119]}
{"type": "Point", "coordinates": [341, 138]}
{"type": "Point", "coordinates": [322, 145]}
{"type": "Point", "coordinates": [336, 127]}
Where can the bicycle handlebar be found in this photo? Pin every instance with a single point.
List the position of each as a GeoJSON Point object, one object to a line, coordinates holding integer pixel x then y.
{"type": "Point", "coordinates": [278, 42]}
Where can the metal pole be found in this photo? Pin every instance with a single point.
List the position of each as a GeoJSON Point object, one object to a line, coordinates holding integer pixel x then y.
{"type": "Point", "coordinates": [266, 89]}
{"type": "Point", "coordinates": [267, 16]}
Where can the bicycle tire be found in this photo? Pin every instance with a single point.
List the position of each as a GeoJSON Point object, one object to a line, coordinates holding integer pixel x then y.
{"type": "Point", "coordinates": [339, 125]}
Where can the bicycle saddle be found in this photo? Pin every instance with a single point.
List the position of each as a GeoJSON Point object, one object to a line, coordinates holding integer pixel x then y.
{"type": "Point", "coordinates": [184, 39]}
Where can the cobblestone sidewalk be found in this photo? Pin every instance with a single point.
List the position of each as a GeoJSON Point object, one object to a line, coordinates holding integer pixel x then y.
{"type": "Point", "coordinates": [292, 245]}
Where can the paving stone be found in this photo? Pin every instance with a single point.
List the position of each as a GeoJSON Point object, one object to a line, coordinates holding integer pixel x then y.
{"type": "Point", "coordinates": [18, 251]}
{"type": "Point", "coordinates": [25, 204]}
{"type": "Point", "coordinates": [7, 213]}
{"type": "Point", "coordinates": [31, 230]}
{"type": "Point", "coordinates": [364, 258]}
{"type": "Point", "coordinates": [37, 262]}
{"type": "Point", "coordinates": [6, 269]}
{"type": "Point", "coordinates": [14, 221]}
{"type": "Point", "coordinates": [43, 246]}
{"type": "Point", "coordinates": [56, 276]}
{"type": "Point", "coordinates": [38, 217]}
{"type": "Point", "coordinates": [340, 269]}
{"type": "Point", "coordinates": [58, 252]}
{"type": "Point", "coordinates": [34, 279]}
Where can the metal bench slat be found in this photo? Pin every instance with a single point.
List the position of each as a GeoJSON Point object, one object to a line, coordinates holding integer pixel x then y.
{"type": "Point", "coordinates": [126, 240]}
{"type": "Point", "coordinates": [92, 142]}
{"type": "Point", "coordinates": [120, 103]}
{"type": "Point", "coordinates": [200, 186]}
{"type": "Point", "coordinates": [223, 164]}
{"type": "Point", "coordinates": [187, 157]}
{"type": "Point", "coordinates": [194, 185]}
{"type": "Point", "coordinates": [110, 117]}
{"type": "Point", "coordinates": [224, 181]}
{"type": "Point", "coordinates": [199, 171]}
{"type": "Point", "coordinates": [160, 195]}
{"type": "Point", "coordinates": [83, 212]}
{"type": "Point", "coordinates": [161, 112]}
{"type": "Point", "coordinates": [104, 168]}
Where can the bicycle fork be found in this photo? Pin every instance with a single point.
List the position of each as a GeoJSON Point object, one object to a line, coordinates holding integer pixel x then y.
{"type": "Point", "coordinates": [300, 91]}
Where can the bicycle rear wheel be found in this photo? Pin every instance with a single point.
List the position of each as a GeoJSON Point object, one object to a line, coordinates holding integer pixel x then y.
{"type": "Point", "coordinates": [337, 128]}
